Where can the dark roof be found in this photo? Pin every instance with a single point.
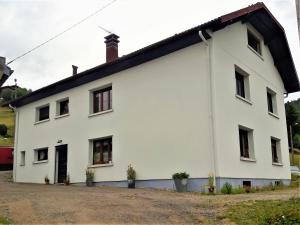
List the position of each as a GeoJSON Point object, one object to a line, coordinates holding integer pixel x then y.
{"type": "Point", "coordinates": [257, 15]}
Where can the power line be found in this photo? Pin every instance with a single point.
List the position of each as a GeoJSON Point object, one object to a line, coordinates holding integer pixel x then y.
{"type": "Point", "coordinates": [102, 28]}
{"type": "Point", "coordinates": [61, 33]}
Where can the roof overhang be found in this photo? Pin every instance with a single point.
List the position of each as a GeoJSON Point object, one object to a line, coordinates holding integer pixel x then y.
{"type": "Point", "coordinates": [257, 15]}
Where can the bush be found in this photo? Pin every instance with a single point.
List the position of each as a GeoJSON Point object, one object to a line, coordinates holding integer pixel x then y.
{"type": "Point", "coordinates": [131, 174]}
{"type": "Point", "coordinates": [227, 188]}
{"type": "Point", "coordinates": [3, 130]}
{"type": "Point", "coordinates": [238, 190]}
{"type": "Point", "coordinates": [89, 174]}
{"type": "Point", "coordinates": [180, 176]}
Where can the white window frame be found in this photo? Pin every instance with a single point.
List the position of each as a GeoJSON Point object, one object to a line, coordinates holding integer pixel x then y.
{"type": "Point", "coordinates": [35, 160]}
{"type": "Point", "coordinates": [250, 136]}
{"type": "Point", "coordinates": [274, 102]}
{"type": "Point", "coordinates": [246, 76]}
{"type": "Point", "coordinates": [22, 158]}
{"type": "Point", "coordinates": [37, 114]}
{"type": "Point", "coordinates": [57, 111]}
{"type": "Point", "coordinates": [278, 150]}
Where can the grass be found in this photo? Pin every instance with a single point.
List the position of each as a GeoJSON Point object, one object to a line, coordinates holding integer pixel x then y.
{"type": "Point", "coordinates": [296, 160]}
{"type": "Point", "coordinates": [7, 117]}
{"type": "Point", "coordinates": [4, 221]}
{"type": "Point", "coordinates": [273, 212]}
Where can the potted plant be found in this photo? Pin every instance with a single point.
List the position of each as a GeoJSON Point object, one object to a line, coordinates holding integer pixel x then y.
{"type": "Point", "coordinates": [131, 176]}
{"type": "Point", "coordinates": [67, 180]}
{"type": "Point", "coordinates": [211, 187]}
{"type": "Point", "coordinates": [89, 177]}
{"type": "Point", "coordinates": [181, 181]}
{"type": "Point", "coordinates": [47, 181]}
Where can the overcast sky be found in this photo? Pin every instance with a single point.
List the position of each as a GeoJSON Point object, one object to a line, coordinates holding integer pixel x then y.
{"type": "Point", "coordinates": [25, 24]}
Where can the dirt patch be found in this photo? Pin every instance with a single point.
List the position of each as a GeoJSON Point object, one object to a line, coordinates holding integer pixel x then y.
{"type": "Point", "coordinates": [45, 204]}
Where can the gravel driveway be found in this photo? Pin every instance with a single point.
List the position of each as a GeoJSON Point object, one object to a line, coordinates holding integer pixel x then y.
{"type": "Point", "coordinates": [34, 203]}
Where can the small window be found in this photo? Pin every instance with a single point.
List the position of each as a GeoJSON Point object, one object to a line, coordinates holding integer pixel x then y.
{"type": "Point", "coordinates": [62, 107]}
{"type": "Point", "coordinates": [22, 159]}
{"type": "Point", "coordinates": [41, 154]}
{"type": "Point", "coordinates": [254, 42]}
{"type": "Point", "coordinates": [43, 113]}
{"type": "Point", "coordinates": [271, 101]}
{"type": "Point", "coordinates": [102, 151]}
{"type": "Point", "coordinates": [246, 143]}
{"type": "Point", "coordinates": [247, 185]}
{"type": "Point", "coordinates": [275, 146]}
{"type": "Point", "coordinates": [240, 86]}
{"type": "Point", "coordinates": [102, 100]}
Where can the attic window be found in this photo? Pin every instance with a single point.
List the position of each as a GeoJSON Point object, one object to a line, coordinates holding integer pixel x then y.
{"type": "Point", "coordinates": [254, 42]}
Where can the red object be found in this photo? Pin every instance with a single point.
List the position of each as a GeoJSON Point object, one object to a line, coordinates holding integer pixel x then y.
{"type": "Point", "coordinates": [6, 158]}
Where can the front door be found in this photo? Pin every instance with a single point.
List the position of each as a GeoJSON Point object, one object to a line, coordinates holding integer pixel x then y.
{"type": "Point", "coordinates": [61, 159]}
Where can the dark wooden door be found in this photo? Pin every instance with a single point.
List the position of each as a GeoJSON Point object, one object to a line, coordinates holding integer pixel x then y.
{"type": "Point", "coordinates": [62, 158]}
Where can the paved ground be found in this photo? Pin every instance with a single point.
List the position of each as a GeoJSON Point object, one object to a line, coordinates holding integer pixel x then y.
{"type": "Point", "coordinates": [32, 203]}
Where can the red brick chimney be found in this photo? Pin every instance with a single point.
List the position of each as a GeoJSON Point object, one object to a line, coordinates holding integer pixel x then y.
{"type": "Point", "coordinates": [111, 47]}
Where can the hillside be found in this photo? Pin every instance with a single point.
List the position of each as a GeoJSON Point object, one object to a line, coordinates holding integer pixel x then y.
{"type": "Point", "coordinates": [7, 117]}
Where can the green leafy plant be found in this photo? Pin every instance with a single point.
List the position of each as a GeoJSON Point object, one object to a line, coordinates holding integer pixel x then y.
{"type": "Point", "coordinates": [47, 181]}
{"type": "Point", "coordinates": [227, 188]}
{"type": "Point", "coordinates": [238, 190]}
{"type": "Point", "coordinates": [180, 176]}
{"type": "Point", "coordinates": [131, 174]}
{"type": "Point", "coordinates": [3, 130]}
{"type": "Point", "coordinates": [89, 174]}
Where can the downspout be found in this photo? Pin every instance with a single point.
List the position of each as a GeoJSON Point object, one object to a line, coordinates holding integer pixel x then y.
{"type": "Point", "coordinates": [211, 102]}
{"type": "Point", "coordinates": [15, 141]}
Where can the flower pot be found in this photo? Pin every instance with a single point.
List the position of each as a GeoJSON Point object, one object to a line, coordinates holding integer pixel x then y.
{"type": "Point", "coordinates": [131, 183]}
{"type": "Point", "coordinates": [181, 184]}
{"type": "Point", "coordinates": [89, 183]}
{"type": "Point", "coordinates": [211, 189]}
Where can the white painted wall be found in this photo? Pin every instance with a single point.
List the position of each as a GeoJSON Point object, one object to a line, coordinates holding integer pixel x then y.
{"type": "Point", "coordinates": [230, 48]}
{"type": "Point", "coordinates": [161, 121]}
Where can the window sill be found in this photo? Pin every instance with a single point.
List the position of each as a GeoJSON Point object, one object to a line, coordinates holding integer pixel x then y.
{"type": "Point", "coordinates": [40, 162]}
{"type": "Point", "coordinates": [41, 121]}
{"type": "Point", "coordinates": [258, 54]}
{"type": "Point", "coordinates": [61, 116]}
{"type": "Point", "coordinates": [274, 115]}
{"type": "Point", "coordinates": [277, 164]}
{"type": "Point", "coordinates": [100, 113]}
{"type": "Point", "coordinates": [243, 99]}
{"type": "Point", "coordinates": [101, 165]}
{"type": "Point", "coordinates": [247, 159]}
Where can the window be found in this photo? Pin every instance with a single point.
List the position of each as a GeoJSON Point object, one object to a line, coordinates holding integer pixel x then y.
{"type": "Point", "coordinates": [22, 159]}
{"type": "Point", "coordinates": [275, 147]}
{"type": "Point", "coordinates": [102, 151]}
{"type": "Point", "coordinates": [43, 113]}
{"type": "Point", "coordinates": [240, 86]}
{"type": "Point", "coordinates": [102, 100]}
{"type": "Point", "coordinates": [271, 101]}
{"type": "Point", "coordinates": [254, 42]}
{"type": "Point", "coordinates": [62, 107]}
{"type": "Point", "coordinates": [41, 154]}
{"type": "Point", "coordinates": [246, 144]}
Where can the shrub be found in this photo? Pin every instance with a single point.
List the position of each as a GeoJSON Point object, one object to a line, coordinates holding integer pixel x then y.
{"type": "Point", "coordinates": [180, 176]}
{"type": "Point", "coordinates": [238, 190]}
{"type": "Point", "coordinates": [131, 174]}
{"type": "Point", "coordinates": [3, 130]}
{"type": "Point", "coordinates": [227, 188]}
{"type": "Point", "coordinates": [89, 174]}
{"type": "Point", "coordinates": [47, 181]}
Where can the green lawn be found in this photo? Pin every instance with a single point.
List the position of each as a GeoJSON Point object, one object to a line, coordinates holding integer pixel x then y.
{"type": "Point", "coordinates": [266, 212]}
{"type": "Point", "coordinates": [4, 221]}
{"type": "Point", "coordinates": [7, 117]}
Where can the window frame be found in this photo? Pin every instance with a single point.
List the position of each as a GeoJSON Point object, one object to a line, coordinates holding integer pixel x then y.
{"type": "Point", "coordinates": [242, 76]}
{"type": "Point", "coordinates": [248, 133]}
{"type": "Point", "coordinates": [101, 109]}
{"type": "Point", "coordinates": [102, 141]}
{"type": "Point", "coordinates": [258, 48]}
{"type": "Point", "coordinates": [38, 113]}
{"type": "Point", "coordinates": [58, 113]}
{"type": "Point", "coordinates": [275, 142]}
{"type": "Point", "coordinates": [272, 97]}
{"type": "Point", "coordinates": [37, 155]}
{"type": "Point", "coordinates": [22, 158]}
{"type": "Point", "coordinates": [240, 84]}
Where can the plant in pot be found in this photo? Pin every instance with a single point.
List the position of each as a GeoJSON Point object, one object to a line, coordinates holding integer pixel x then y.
{"type": "Point", "coordinates": [181, 181]}
{"type": "Point", "coordinates": [211, 187]}
{"type": "Point", "coordinates": [89, 177]}
{"type": "Point", "coordinates": [131, 176]}
{"type": "Point", "coordinates": [47, 181]}
{"type": "Point", "coordinates": [67, 180]}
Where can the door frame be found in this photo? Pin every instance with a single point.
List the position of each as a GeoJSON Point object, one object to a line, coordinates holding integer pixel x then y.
{"type": "Point", "coordinates": [57, 149]}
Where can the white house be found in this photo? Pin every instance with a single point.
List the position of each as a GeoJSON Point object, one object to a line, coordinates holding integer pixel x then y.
{"type": "Point", "coordinates": [207, 100]}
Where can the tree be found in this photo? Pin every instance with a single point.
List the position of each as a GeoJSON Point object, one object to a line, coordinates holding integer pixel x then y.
{"type": "Point", "coordinates": [292, 110]}
{"type": "Point", "coordinates": [3, 130]}
{"type": "Point", "coordinates": [8, 95]}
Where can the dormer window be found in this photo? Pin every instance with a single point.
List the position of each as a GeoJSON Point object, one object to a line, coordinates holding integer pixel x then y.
{"type": "Point", "coordinates": [254, 42]}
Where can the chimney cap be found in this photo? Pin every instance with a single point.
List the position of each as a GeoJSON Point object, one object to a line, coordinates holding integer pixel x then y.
{"type": "Point", "coordinates": [112, 38]}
